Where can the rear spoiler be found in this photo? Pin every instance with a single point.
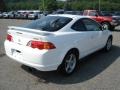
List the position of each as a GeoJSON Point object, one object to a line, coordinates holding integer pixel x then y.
{"type": "Point", "coordinates": [40, 32]}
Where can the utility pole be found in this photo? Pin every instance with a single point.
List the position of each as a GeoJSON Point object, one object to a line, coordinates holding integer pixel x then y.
{"type": "Point", "coordinates": [93, 5]}
{"type": "Point", "coordinates": [65, 4]}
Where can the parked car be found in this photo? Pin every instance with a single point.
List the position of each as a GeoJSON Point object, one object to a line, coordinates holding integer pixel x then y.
{"type": "Point", "coordinates": [105, 21]}
{"type": "Point", "coordinates": [45, 13]}
{"type": "Point", "coordinates": [74, 12]}
{"type": "Point", "coordinates": [1, 15]}
{"type": "Point", "coordinates": [11, 14]}
{"type": "Point", "coordinates": [24, 15]}
{"type": "Point", "coordinates": [5, 14]}
{"type": "Point", "coordinates": [79, 12]}
{"type": "Point", "coordinates": [115, 17]}
{"type": "Point", "coordinates": [70, 12]}
{"type": "Point", "coordinates": [56, 42]}
{"type": "Point", "coordinates": [17, 15]}
{"type": "Point", "coordinates": [59, 11]}
{"type": "Point", "coordinates": [35, 15]}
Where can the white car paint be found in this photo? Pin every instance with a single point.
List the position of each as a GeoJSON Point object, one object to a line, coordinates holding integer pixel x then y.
{"type": "Point", "coordinates": [63, 39]}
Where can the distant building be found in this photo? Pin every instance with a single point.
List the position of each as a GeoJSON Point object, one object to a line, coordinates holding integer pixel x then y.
{"type": "Point", "coordinates": [2, 5]}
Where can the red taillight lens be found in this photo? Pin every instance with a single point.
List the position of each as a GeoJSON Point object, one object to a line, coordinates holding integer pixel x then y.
{"type": "Point", "coordinates": [41, 45]}
{"type": "Point", "coordinates": [9, 37]}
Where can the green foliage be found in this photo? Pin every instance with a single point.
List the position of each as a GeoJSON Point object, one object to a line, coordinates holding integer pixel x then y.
{"type": "Point", "coordinates": [51, 5]}
{"type": "Point", "coordinates": [2, 5]}
{"type": "Point", "coordinates": [48, 5]}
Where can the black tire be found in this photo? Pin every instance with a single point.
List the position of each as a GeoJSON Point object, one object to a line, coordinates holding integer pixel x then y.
{"type": "Point", "coordinates": [106, 25]}
{"type": "Point", "coordinates": [108, 45]}
{"type": "Point", "coordinates": [112, 28]}
{"type": "Point", "coordinates": [36, 17]}
{"type": "Point", "coordinates": [65, 64]}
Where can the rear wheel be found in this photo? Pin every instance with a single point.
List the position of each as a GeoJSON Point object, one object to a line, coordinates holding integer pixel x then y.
{"type": "Point", "coordinates": [69, 63]}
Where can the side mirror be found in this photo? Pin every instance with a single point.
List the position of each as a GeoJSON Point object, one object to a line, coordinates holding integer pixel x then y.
{"type": "Point", "coordinates": [102, 28]}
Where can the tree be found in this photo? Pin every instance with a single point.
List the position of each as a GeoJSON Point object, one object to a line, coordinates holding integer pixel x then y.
{"type": "Point", "coordinates": [2, 5]}
{"type": "Point", "coordinates": [48, 5]}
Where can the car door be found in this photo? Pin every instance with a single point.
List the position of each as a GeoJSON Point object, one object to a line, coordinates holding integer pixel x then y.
{"type": "Point", "coordinates": [97, 34]}
{"type": "Point", "coordinates": [83, 38]}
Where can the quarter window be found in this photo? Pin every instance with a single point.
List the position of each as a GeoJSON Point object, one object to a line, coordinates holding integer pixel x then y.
{"type": "Point", "coordinates": [91, 25]}
{"type": "Point", "coordinates": [92, 13]}
{"type": "Point", "coordinates": [79, 26]}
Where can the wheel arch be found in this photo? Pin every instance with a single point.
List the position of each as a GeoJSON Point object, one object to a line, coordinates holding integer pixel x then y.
{"type": "Point", "coordinates": [76, 50]}
{"type": "Point", "coordinates": [110, 36]}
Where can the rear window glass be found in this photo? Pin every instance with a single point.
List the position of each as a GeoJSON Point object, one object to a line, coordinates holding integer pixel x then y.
{"type": "Point", "coordinates": [49, 23]}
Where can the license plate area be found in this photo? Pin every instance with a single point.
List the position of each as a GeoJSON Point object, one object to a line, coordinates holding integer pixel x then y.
{"type": "Point", "coordinates": [16, 53]}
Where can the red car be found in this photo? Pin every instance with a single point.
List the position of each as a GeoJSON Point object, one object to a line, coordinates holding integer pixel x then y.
{"type": "Point", "coordinates": [106, 21]}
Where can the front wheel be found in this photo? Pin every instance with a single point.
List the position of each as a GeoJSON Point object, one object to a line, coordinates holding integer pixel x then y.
{"type": "Point", "coordinates": [108, 44]}
{"type": "Point", "coordinates": [69, 63]}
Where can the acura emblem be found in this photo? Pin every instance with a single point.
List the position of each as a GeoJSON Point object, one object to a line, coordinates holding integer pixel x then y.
{"type": "Point", "coordinates": [19, 40]}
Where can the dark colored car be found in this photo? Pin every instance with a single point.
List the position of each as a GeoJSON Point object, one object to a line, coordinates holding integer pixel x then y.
{"type": "Point", "coordinates": [115, 17]}
{"type": "Point", "coordinates": [24, 15]}
{"type": "Point", "coordinates": [17, 15]}
{"type": "Point", "coordinates": [74, 12]}
{"type": "Point", "coordinates": [60, 11]}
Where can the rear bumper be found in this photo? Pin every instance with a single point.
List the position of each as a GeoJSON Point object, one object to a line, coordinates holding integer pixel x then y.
{"type": "Point", "coordinates": [42, 60]}
{"type": "Point", "coordinates": [36, 66]}
{"type": "Point", "coordinates": [5, 16]}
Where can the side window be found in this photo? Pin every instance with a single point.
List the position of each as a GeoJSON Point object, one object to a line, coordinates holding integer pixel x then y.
{"type": "Point", "coordinates": [91, 25]}
{"type": "Point", "coordinates": [92, 13]}
{"type": "Point", "coordinates": [78, 26]}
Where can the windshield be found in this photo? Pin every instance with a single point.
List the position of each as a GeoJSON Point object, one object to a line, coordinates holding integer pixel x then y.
{"type": "Point", "coordinates": [49, 23]}
{"type": "Point", "coordinates": [99, 13]}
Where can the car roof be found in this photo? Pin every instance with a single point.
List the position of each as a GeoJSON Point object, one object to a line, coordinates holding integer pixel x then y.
{"type": "Point", "coordinates": [69, 16]}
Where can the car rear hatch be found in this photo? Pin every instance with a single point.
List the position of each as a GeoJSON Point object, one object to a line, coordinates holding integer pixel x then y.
{"type": "Point", "coordinates": [22, 35]}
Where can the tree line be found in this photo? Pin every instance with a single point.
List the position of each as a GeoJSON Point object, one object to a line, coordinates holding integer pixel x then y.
{"type": "Point", "coordinates": [51, 5]}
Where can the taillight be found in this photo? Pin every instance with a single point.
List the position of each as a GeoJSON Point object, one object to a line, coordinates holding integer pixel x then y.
{"type": "Point", "coordinates": [41, 45]}
{"type": "Point", "coordinates": [9, 37]}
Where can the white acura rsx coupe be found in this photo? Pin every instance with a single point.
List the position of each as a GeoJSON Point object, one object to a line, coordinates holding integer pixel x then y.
{"type": "Point", "coordinates": [56, 42]}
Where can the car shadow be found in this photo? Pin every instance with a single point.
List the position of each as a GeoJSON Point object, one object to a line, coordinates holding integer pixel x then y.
{"type": "Point", "coordinates": [90, 67]}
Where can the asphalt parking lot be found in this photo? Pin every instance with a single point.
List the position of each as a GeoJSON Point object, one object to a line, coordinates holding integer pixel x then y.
{"type": "Point", "coordinates": [99, 71]}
